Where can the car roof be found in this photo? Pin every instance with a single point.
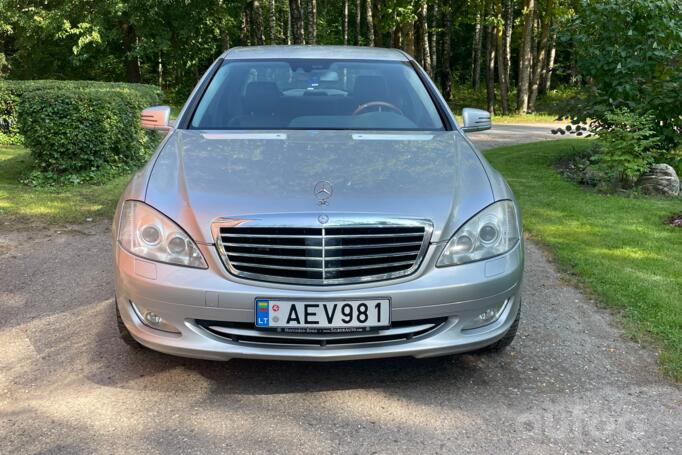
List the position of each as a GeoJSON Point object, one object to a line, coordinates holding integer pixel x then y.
{"type": "Point", "coordinates": [316, 52]}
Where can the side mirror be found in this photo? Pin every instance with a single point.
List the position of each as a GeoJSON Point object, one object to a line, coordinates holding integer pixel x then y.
{"type": "Point", "coordinates": [156, 118]}
{"type": "Point", "coordinates": [475, 120]}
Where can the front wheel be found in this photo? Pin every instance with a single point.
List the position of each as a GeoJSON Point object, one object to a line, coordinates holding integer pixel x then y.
{"type": "Point", "coordinates": [123, 331]}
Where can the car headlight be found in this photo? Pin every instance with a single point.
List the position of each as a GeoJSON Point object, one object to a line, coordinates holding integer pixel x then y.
{"type": "Point", "coordinates": [147, 233]}
{"type": "Point", "coordinates": [494, 231]}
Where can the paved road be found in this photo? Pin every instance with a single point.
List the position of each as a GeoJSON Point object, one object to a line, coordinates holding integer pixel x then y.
{"type": "Point", "coordinates": [570, 383]}
{"type": "Point", "coordinates": [502, 135]}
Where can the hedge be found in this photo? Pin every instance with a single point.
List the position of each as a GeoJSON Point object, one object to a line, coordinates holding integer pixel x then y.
{"type": "Point", "coordinates": [12, 91]}
{"type": "Point", "coordinates": [83, 130]}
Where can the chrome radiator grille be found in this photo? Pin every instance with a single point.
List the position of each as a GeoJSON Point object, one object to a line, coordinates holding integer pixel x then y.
{"type": "Point", "coordinates": [325, 255]}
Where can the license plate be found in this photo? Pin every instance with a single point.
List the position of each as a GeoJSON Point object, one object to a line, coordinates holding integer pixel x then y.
{"type": "Point", "coordinates": [323, 315]}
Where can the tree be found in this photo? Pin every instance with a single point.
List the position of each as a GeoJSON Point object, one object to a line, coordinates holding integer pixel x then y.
{"type": "Point", "coordinates": [273, 21]}
{"type": "Point", "coordinates": [296, 17]}
{"type": "Point", "coordinates": [358, 20]}
{"type": "Point", "coordinates": [145, 40]}
{"type": "Point", "coordinates": [630, 51]}
{"type": "Point", "coordinates": [345, 22]}
{"type": "Point", "coordinates": [257, 18]}
{"type": "Point", "coordinates": [446, 69]}
{"type": "Point", "coordinates": [541, 54]}
{"type": "Point", "coordinates": [550, 65]}
{"type": "Point", "coordinates": [424, 36]}
{"type": "Point", "coordinates": [508, 30]}
{"type": "Point", "coordinates": [434, 37]}
{"type": "Point", "coordinates": [312, 21]}
{"type": "Point", "coordinates": [490, 45]}
{"type": "Point", "coordinates": [476, 49]}
{"type": "Point", "coordinates": [502, 69]}
{"type": "Point", "coordinates": [525, 57]}
{"type": "Point", "coordinates": [132, 64]}
{"type": "Point", "coordinates": [370, 23]}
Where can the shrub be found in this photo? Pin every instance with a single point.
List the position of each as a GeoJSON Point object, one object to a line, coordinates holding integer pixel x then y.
{"type": "Point", "coordinates": [624, 150]}
{"type": "Point", "coordinates": [77, 134]}
{"type": "Point", "coordinates": [629, 146]}
{"type": "Point", "coordinates": [630, 52]}
{"type": "Point", "coordinates": [11, 93]}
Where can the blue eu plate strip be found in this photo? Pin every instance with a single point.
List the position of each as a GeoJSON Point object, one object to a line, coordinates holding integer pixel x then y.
{"type": "Point", "coordinates": [262, 313]}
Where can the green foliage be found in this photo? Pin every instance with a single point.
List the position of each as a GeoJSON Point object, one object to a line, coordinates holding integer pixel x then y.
{"type": "Point", "coordinates": [630, 52]}
{"type": "Point", "coordinates": [12, 91]}
{"type": "Point", "coordinates": [153, 41]}
{"type": "Point", "coordinates": [629, 146]}
{"type": "Point", "coordinates": [84, 133]}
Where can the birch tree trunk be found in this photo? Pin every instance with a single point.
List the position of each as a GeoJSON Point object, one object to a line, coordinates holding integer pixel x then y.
{"type": "Point", "coordinates": [297, 34]}
{"type": "Point", "coordinates": [370, 23]}
{"type": "Point", "coordinates": [244, 32]}
{"type": "Point", "coordinates": [542, 54]}
{"type": "Point", "coordinates": [358, 20]}
{"type": "Point", "coordinates": [502, 71]}
{"type": "Point", "coordinates": [508, 29]}
{"type": "Point", "coordinates": [273, 21]}
{"type": "Point", "coordinates": [433, 36]}
{"type": "Point", "coordinates": [311, 13]}
{"type": "Point", "coordinates": [425, 51]}
{"type": "Point", "coordinates": [289, 32]}
{"type": "Point", "coordinates": [490, 44]}
{"type": "Point", "coordinates": [345, 22]}
{"type": "Point", "coordinates": [525, 57]}
{"type": "Point", "coordinates": [446, 70]}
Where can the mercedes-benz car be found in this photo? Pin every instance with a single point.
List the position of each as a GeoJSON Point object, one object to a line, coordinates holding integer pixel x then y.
{"type": "Point", "coordinates": [317, 203]}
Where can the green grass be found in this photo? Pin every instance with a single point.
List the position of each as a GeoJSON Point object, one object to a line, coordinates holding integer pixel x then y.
{"type": "Point", "coordinates": [618, 247]}
{"type": "Point", "coordinates": [22, 204]}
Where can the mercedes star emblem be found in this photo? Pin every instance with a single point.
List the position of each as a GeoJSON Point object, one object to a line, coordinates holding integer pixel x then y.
{"type": "Point", "coordinates": [323, 191]}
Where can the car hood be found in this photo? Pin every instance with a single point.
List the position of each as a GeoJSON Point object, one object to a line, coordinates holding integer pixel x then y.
{"type": "Point", "coordinates": [201, 176]}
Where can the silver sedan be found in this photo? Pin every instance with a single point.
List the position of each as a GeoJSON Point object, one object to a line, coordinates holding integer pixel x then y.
{"type": "Point", "coordinates": [317, 203]}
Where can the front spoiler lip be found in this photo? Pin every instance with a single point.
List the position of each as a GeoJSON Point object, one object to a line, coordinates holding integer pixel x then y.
{"type": "Point", "coordinates": [445, 340]}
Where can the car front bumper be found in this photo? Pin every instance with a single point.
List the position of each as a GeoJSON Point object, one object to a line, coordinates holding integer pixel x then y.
{"type": "Point", "coordinates": [183, 296]}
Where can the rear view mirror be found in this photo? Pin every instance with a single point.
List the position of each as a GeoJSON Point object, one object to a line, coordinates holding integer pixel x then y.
{"type": "Point", "coordinates": [156, 118]}
{"type": "Point", "coordinates": [475, 120]}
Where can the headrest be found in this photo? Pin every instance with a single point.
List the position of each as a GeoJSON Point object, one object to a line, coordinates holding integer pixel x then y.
{"type": "Point", "coordinates": [261, 97]}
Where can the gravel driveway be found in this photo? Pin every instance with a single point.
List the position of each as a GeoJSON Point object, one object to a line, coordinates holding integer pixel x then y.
{"type": "Point", "coordinates": [571, 382]}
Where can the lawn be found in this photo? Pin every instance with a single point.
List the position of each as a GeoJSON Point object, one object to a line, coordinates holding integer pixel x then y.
{"type": "Point", "coordinates": [22, 204]}
{"type": "Point", "coordinates": [618, 247]}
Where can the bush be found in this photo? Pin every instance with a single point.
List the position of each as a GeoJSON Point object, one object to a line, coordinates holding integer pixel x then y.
{"type": "Point", "coordinates": [11, 93]}
{"type": "Point", "coordinates": [622, 153]}
{"type": "Point", "coordinates": [630, 52]}
{"type": "Point", "coordinates": [629, 146]}
{"type": "Point", "coordinates": [78, 134]}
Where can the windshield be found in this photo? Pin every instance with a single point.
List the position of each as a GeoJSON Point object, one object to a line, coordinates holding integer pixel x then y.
{"type": "Point", "coordinates": [316, 94]}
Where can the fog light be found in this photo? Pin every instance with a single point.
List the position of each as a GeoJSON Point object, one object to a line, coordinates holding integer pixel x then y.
{"type": "Point", "coordinates": [485, 317]}
{"type": "Point", "coordinates": [489, 316]}
{"type": "Point", "coordinates": [153, 320]}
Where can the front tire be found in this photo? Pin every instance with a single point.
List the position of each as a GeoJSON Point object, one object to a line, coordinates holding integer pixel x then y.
{"type": "Point", "coordinates": [123, 331]}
